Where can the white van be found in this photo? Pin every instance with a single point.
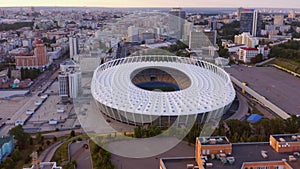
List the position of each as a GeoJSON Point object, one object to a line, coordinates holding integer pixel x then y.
{"type": "Point", "coordinates": [19, 123]}
{"type": "Point", "coordinates": [53, 122]}
{"type": "Point", "coordinates": [29, 111]}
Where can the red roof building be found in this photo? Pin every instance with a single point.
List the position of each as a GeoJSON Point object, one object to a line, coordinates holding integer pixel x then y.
{"type": "Point", "coordinates": [40, 59]}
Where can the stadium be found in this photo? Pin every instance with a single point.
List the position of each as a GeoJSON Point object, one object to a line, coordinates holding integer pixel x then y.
{"type": "Point", "coordinates": [161, 90]}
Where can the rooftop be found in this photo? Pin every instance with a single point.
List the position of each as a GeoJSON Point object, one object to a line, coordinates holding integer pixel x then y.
{"type": "Point", "coordinates": [244, 152]}
{"type": "Point", "coordinates": [244, 48]}
{"type": "Point", "coordinates": [215, 140]}
{"type": "Point", "coordinates": [287, 137]}
{"type": "Point", "coordinates": [178, 163]}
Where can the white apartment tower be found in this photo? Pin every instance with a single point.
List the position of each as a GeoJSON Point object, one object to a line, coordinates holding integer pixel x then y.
{"type": "Point", "coordinates": [74, 84]}
{"type": "Point", "coordinates": [73, 46]}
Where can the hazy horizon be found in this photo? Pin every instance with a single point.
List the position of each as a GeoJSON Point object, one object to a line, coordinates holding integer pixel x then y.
{"type": "Point", "coordinates": [155, 3]}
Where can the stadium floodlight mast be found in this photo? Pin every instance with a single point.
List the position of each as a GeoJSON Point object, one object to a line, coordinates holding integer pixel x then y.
{"type": "Point", "coordinates": [111, 101]}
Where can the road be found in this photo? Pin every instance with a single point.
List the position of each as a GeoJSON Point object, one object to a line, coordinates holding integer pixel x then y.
{"type": "Point", "coordinates": [47, 155]}
{"type": "Point", "coordinates": [81, 154]}
{"type": "Point", "coordinates": [243, 108]}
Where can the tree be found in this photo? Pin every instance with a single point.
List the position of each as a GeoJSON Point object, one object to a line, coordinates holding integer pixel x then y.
{"type": "Point", "coordinates": [193, 134]}
{"type": "Point", "coordinates": [257, 58]}
{"type": "Point", "coordinates": [292, 124]}
{"type": "Point", "coordinates": [9, 72]}
{"type": "Point", "coordinates": [138, 132]}
{"type": "Point", "coordinates": [16, 155]}
{"type": "Point", "coordinates": [154, 131]}
{"type": "Point", "coordinates": [72, 134]}
{"type": "Point", "coordinates": [223, 52]}
{"type": "Point", "coordinates": [8, 163]}
{"type": "Point", "coordinates": [239, 128]}
{"type": "Point", "coordinates": [39, 138]}
{"type": "Point", "coordinates": [22, 73]}
{"type": "Point", "coordinates": [19, 134]}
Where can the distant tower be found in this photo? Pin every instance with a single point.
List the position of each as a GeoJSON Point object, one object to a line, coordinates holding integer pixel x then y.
{"type": "Point", "coordinates": [292, 14]}
{"type": "Point", "coordinates": [73, 46]}
{"type": "Point", "coordinates": [41, 53]}
{"type": "Point", "coordinates": [256, 26]}
{"type": "Point", "coordinates": [31, 11]}
{"type": "Point", "coordinates": [250, 22]}
{"type": "Point", "coordinates": [133, 34]}
{"type": "Point", "coordinates": [176, 22]}
{"type": "Point", "coordinates": [213, 23]}
{"type": "Point", "coordinates": [239, 11]}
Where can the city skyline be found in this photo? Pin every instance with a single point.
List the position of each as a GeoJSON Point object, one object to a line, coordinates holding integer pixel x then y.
{"type": "Point", "coordinates": [156, 3]}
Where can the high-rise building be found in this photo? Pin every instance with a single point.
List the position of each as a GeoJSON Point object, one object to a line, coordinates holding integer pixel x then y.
{"type": "Point", "coordinates": [256, 25]}
{"type": "Point", "coordinates": [133, 34]}
{"type": "Point", "coordinates": [74, 83]}
{"type": "Point", "coordinates": [278, 19]}
{"type": "Point", "coordinates": [250, 22]}
{"type": "Point", "coordinates": [239, 11]}
{"type": "Point", "coordinates": [73, 46]}
{"type": "Point", "coordinates": [69, 81]}
{"type": "Point", "coordinates": [63, 87]}
{"type": "Point", "coordinates": [176, 22]}
{"type": "Point", "coordinates": [213, 23]}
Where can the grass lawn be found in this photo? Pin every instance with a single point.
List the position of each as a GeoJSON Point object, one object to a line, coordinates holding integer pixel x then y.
{"type": "Point", "coordinates": [287, 63]}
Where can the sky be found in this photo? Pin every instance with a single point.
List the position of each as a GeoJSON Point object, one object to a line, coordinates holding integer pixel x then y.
{"type": "Point", "coordinates": [156, 3]}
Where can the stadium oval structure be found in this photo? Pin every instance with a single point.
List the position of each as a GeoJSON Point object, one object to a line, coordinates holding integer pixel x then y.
{"type": "Point", "coordinates": [203, 90]}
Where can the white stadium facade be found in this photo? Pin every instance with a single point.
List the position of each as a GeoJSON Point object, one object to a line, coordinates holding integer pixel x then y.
{"type": "Point", "coordinates": [161, 90]}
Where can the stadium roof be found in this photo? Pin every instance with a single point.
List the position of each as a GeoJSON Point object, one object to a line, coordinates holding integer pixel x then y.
{"type": "Point", "coordinates": [210, 89]}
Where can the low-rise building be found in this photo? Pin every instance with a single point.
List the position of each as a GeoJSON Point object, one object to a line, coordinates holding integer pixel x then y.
{"type": "Point", "coordinates": [246, 54]}
{"type": "Point", "coordinates": [285, 142]}
{"type": "Point", "coordinates": [217, 152]}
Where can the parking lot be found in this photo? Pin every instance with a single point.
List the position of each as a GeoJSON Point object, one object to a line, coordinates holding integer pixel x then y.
{"type": "Point", "coordinates": [279, 87]}
{"type": "Point", "coordinates": [45, 109]}
{"type": "Point", "coordinates": [49, 111]}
